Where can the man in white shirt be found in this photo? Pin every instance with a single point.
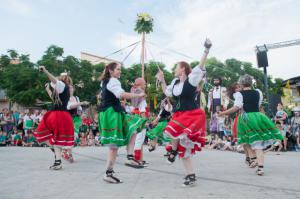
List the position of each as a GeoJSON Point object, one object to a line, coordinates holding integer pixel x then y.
{"type": "Point", "coordinates": [217, 101]}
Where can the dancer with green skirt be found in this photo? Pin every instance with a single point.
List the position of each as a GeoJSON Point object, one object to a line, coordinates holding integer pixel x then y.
{"type": "Point", "coordinates": [156, 134]}
{"type": "Point", "coordinates": [253, 127]}
{"type": "Point", "coordinates": [117, 128]}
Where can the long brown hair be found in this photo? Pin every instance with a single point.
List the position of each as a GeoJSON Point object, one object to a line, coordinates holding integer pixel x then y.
{"type": "Point", "coordinates": [66, 79]}
{"type": "Point", "coordinates": [106, 75]}
{"type": "Point", "coordinates": [186, 66]}
{"type": "Point", "coordinates": [231, 90]}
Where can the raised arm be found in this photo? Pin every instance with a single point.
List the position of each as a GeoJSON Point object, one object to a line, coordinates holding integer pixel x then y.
{"type": "Point", "coordinates": [207, 46]}
{"type": "Point", "coordinates": [51, 77]}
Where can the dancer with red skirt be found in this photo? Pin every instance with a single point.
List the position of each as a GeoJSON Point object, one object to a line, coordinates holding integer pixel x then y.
{"type": "Point", "coordinates": [187, 126]}
{"type": "Point", "coordinates": [56, 128]}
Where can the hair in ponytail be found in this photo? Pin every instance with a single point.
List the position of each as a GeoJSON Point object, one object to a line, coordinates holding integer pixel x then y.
{"type": "Point", "coordinates": [106, 75]}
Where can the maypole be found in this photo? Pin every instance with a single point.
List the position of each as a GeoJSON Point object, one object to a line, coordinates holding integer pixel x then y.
{"type": "Point", "coordinates": [143, 26]}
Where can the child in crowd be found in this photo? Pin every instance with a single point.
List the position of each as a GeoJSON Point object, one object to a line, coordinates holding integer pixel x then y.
{"type": "Point", "coordinates": [18, 139]}
{"type": "Point", "coordinates": [30, 141]}
{"type": "Point", "coordinates": [83, 140]}
{"type": "Point", "coordinates": [3, 138]}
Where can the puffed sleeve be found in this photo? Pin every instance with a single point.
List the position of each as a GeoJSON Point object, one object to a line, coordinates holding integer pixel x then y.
{"type": "Point", "coordinates": [59, 86]}
{"type": "Point", "coordinates": [114, 86]}
{"type": "Point", "coordinates": [238, 99]}
{"type": "Point", "coordinates": [168, 91]}
{"type": "Point", "coordinates": [196, 76]}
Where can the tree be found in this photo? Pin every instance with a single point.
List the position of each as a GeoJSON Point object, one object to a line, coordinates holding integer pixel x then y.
{"type": "Point", "coordinates": [25, 85]}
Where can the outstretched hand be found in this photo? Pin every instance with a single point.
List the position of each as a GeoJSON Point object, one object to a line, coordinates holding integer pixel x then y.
{"type": "Point", "coordinates": [42, 68]}
{"type": "Point", "coordinates": [85, 103]}
{"type": "Point", "coordinates": [207, 44]}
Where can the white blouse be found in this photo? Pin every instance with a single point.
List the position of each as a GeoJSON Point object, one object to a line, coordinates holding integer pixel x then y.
{"type": "Point", "coordinates": [238, 99]}
{"type": "Point", "coordinates": [58, 87]}
{"type": "Point", "coordinates": [72, 102]}
{"type": "Point", "coordinates": [142, 106]}
{"type": "Point", "coordinates": [194, 79]}
{"type": "Point", "coordinates": [114, 86]}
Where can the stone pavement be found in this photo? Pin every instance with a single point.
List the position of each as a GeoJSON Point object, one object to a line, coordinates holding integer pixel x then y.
{"type": "Point", "coordinates": [24, 174]}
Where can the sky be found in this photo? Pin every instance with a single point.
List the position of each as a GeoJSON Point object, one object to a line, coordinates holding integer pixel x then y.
{"type": "Point", "coordinates": [102, 27]}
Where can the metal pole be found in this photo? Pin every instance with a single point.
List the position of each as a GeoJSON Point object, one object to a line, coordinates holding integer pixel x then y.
{"type": "Point", "coordinates": [267, 90]}
{"type": "Point", "coordinates": [143, 55]}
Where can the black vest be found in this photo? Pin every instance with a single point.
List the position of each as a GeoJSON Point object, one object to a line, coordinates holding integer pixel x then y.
{"type": "Point", "coordinates": [250, 100]}
{"type": "Point", "coordinates": [64, 98]}
{"type": "Point", "coordinates": [165, 115]}
{"type": "Point", "coordinates": [108, 99]}
{"type": "Point", "coordinates": [186, 100]}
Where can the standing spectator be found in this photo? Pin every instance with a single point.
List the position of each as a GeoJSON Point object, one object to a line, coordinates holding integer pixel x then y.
{"type": "Point", "coordinates": [295, 127]}
{"type": "Point", "coordinates": [282, 117]}
{"type": "Point", "coordinates": [16, 117]}
{"type": "Point", "coordinates": [8, 121]}
{"type": "Point", "coordinates": [28, 121]}
{"type": "Point", "coordinates": [227, 125]}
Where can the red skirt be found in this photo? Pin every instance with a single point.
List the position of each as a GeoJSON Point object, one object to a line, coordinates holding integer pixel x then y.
{"type": "Point", "coordinates": [190, 128]}
{"type": "Point", "coordinates": [234, 128]}
{"type": "Point", "coordinates": [57, 128]}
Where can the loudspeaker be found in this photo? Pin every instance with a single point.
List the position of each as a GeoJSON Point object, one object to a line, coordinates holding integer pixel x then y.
{"type": "Point", "coordinates": [262, 59]}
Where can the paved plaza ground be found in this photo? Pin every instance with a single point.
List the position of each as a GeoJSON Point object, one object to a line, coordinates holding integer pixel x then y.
{"type": "Point", "coordinates": [24, 174]}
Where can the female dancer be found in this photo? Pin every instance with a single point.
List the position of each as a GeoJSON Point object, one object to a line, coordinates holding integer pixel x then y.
{"type": "Point", "coordinates": [187, 125]}
{"type": "Point", "coordinates": [249, 153]}
{"type": "Point", "coordinates": [160, 123]}
{"type": "Point", "coordinates": [253, 127]}
{"type": "Point", "coordinates": [74, 107]}
{"type": "Point", "coordinates": [117, 129]}
{"type": "Point", "coordinates": [56, 128]}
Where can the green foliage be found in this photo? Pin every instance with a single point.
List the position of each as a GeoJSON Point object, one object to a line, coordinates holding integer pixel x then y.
{"type": "Point", "coordinates": [25, 85]}
{"type": "Point", "coordinates": [144, 23]}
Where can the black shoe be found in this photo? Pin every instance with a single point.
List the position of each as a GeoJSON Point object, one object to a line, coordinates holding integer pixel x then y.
{"type": "Point", "coordinates": [247, 161]}
{"type": "Point", "coordinates": [110, 178]}
{"type": "Point", "coordinates": [56, 166]}
{"type": "Point", "coordinates": [172, 156]}
{"type": "Point", "coordinates": [189, 180]}
{"type": "Point", "coordinates": [151, 148]}
{"type": "Point", "coordinates": [260, 170]}
{"type": "Point", "coordinates": [167, 154]}
{"type": "Point", "coordinates": [131, 162]}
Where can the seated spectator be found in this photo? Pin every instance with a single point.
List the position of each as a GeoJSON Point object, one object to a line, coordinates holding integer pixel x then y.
{"type": "Point", "coordinates": [90, 139]}
{"type": "Point", "coordinates": [3, 138]}
{"type": "Point", "coordinates": [18, 139]}
{"type": "Point", "coordinates": [30, 141]}
{"type": "Point", "coordinates": [97, 143]}
{"type": "Point", "coordinates": [83, 139]}
{"type": "Point", "coordinates": [228, 143]}
{"type": "Point", "coordinates": [216, 143]}
{"type": "Point", "coordinates": [77, 141]}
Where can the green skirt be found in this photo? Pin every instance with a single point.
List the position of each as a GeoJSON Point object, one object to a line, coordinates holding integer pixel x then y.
{"type": "Point", "coordinates": [257, 130]}
{"type": "Point", "coordinates": [157, 132]}
{"type": "Point", "coordinates": [77, 123]}
{"type": "Point", "coordinates": [117, 128]}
